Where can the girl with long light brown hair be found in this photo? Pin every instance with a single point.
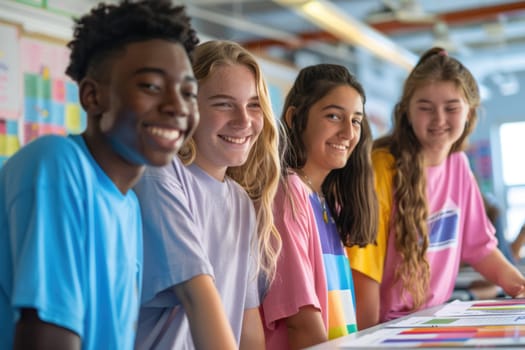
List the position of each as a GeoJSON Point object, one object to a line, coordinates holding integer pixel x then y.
{"type": "Point", "coordinates": [432, 216]}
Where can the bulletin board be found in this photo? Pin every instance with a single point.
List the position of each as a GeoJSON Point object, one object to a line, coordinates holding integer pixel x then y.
{"type": "Point", "coordinates": [36, 97]}
{"type": "Point", "coordinates": [481, 163]}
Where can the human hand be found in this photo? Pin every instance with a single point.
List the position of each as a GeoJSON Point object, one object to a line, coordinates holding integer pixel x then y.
{"type": "Point", "coordinates": [513, 283]}
{"type": "Point", "coordinates": [520, 294]}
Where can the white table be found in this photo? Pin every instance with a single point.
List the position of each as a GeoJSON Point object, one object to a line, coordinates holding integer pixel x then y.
{"type": "Point", "coordinates": [335, 344]}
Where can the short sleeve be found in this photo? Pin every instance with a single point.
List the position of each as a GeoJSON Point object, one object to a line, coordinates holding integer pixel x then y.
{"type": "Point", "coordinates": [173, 251]}
{"type": "Point", "coordinates": [479, 237]}
{"type": "Point", "coordinates": [294, 285]}
{"type": "Point", "coordinates": [370, 259]}
{"type": "Point", "coordinates": [255, 280]}
{"type": "Point", "coordinates": [47, 226]}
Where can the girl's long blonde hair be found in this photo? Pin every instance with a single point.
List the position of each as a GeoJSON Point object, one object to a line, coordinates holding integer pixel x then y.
{"type": "Point", "coordinates": [259, 176]}
{"type": "Point", "coordinates": [410, 222]}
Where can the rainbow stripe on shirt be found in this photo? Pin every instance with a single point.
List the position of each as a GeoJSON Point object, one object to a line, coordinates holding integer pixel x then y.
{"type": "Point", "coordinates": [341, 295]}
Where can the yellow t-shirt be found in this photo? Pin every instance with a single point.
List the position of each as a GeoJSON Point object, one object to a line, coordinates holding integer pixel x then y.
{"type": "Point", "coordinates": [370, 259]}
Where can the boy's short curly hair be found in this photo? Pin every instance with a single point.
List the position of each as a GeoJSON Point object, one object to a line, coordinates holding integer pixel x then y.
{"type": "Point", "coordinates": [108, 28]}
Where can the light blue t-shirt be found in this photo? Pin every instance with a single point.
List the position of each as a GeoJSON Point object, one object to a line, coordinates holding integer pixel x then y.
{"type": "Point", "coordinates": [70, 245]}
{"type": "Point", "coordinates": [193, 225]}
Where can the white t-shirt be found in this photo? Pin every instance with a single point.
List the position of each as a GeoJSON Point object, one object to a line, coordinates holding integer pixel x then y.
{"type": "Point", "coordinates": [193, 225]}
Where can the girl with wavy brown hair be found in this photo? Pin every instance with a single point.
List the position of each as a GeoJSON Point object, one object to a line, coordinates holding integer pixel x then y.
{"type": "Point", "coordinates": [326, 201]}
{"type": "Point", "coordinates": [432, 216]}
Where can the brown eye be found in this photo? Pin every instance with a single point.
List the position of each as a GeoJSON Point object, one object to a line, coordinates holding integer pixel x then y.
{"type": "Point", "coordinates": [190, 95]}
{"type": "Point", "coordinates": [149, 87]}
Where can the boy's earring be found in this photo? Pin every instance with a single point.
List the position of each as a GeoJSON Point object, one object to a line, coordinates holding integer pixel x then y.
{"type": "Point", "coordinates": [466, 124]}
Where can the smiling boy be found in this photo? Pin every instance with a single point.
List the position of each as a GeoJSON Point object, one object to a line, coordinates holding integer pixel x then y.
{"type": "Point", "coordinates": [71, 238]}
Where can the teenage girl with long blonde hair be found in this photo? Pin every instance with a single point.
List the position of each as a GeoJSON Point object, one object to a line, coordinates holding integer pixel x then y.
{"type": "Point", "coordinates": [208, 224]}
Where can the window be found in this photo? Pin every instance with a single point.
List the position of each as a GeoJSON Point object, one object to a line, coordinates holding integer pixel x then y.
{"type": "Point", "coordinates": [512, 140]}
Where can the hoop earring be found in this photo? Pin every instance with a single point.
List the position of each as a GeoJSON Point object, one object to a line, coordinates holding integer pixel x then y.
{"type": "Point", "coordinates": [188, 152]}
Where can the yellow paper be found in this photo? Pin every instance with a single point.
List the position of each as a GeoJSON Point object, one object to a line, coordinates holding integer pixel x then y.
{"type": "Point", "coordinates": [3, 145]}
{"type": "Point", "coordinates": [12, 145]}
{"type": "Point", "coordinates": [73, 118]}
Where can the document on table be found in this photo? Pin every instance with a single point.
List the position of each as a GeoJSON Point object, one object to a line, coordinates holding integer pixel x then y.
{"type": "Point", "coordinates": [454, 321]}
{"type": "Point", "coordinates": [490, 308]}
{"type": "Point", "coordinates": [486, 323]}
{"type": "Point", "coordinates": [443, 337]}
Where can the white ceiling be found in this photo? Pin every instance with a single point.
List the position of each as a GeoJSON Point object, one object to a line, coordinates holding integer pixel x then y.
{"type": "Point", "coordinates": [490, 34]}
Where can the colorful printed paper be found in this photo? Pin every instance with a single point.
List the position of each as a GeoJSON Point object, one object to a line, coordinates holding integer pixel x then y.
{"type": "Point", "coordinates": [483, 336]}
{"type": "Point", "coordinates": [436, 321]}
{"type": "Point", "coordinates": [483, 308]}
{"type": "Point", "coordinates": [487, 323]}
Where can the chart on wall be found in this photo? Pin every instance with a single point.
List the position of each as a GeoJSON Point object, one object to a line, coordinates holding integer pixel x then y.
{"type": "Point", "coordinates": [10, 91]}
{"type": "Point", "coordinates": [9, 142]}
{"type": "Point", "coordinates": [36, 96]}
{"type": "Point", "coordinates": [481, 163]}
{"type": "Point", "coordinates": [51, 102]}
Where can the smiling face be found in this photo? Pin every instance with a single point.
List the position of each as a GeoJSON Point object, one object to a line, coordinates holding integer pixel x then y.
{"type": "Point", "coordinates": [332, 131]}
{"type": "Point", "coordinates": [438, 112]}
{"type": "Point", "coordinates": [231, 119]}
{"type": "Point", "coordinates": [148, 102]}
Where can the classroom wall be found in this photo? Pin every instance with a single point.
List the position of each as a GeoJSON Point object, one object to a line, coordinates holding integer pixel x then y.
{"type": "Point", "coordinates": [36, 97]}
{"type": "Point", "coordinates": [496, 110]}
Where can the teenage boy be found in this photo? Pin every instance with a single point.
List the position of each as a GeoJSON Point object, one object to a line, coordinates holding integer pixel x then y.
{"type": "Point", "coordinates": [71, 231]}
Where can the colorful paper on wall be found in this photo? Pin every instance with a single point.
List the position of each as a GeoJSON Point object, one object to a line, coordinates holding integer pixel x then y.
{"type": "Point", "coordinates": [479, 154]}
{"type": "Point", "coordinates": [9, 140]}
{"type": "Point", "coordinates": [47, 100]}
{"type": "Point", "coordinates": [51, 103]}
{"type": "Point", "coordinates": [44, 59]}
{"type": "Point", "coordinates": [3, 141]}
{"type": "Point", "coordinates": [10, 85]}
{"type": "Point", "coordinates": [74, 118]}
{"type": "Point", "coordinates": [34, 130]}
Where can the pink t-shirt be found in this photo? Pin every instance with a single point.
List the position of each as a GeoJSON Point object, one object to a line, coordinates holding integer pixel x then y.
{"type": "Point", "coordinates": [459, 231]}
{"type": "Point", "coordinates": [300, 278]}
